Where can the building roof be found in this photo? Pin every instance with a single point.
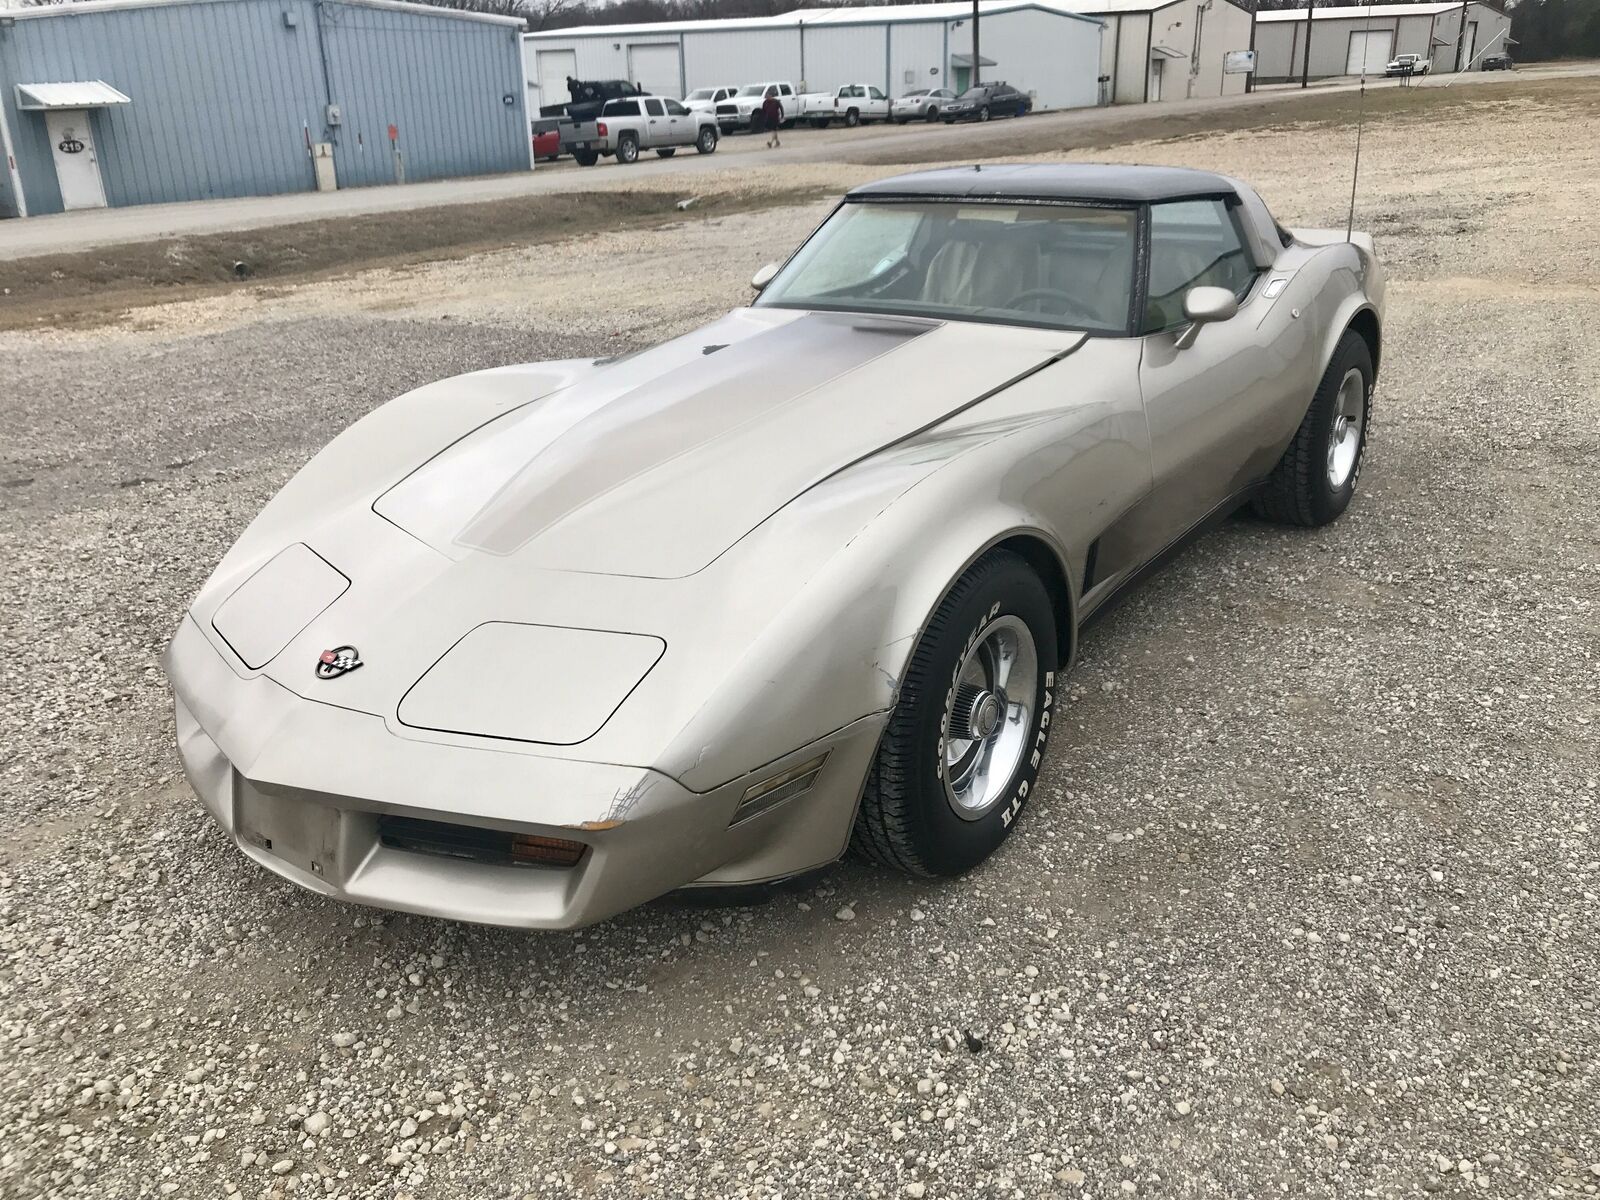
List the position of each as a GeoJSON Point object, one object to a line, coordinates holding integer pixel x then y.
{"type": "Point", "coordinates": [1357, 12]}
{"type": "Point", "coordinates": [879, 14]}
{"type": "Point", "coordinates": [1056, 181]}
{"type": "Point", "coordinates": [86, 7]}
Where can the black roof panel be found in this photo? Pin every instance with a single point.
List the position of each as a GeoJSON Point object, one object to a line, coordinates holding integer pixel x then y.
{"type": "Point", "coordinates": [1055, 181]}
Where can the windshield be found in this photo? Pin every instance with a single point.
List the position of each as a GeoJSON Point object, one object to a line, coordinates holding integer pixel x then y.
{"type": "Point", "coordinates": [701, 94]}
{"type": "Point", "coordinates": [753, 89]}
{"type": "Point", "coordinates": [1056, 266]}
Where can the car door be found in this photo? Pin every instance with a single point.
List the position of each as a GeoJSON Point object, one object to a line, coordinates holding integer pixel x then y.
{"type": "Point", "coordinates": [657, 129]}
{"type": "Point", "coordinates": [1214, 408]}
{"type": "Point", "coordinates": [681, 124]}
{"type": "Point", "coordinates": [877, 103]}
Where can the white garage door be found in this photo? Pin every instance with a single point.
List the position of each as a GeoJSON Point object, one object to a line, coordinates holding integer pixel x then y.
{"type": "Point", "coordinates": [655, 68]}
{"type": "Point", "coordinates": [1369, 52]}
{"type": "Point", "coordinates": [552, 68]}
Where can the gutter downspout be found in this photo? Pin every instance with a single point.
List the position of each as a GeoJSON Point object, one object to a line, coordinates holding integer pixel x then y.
{"type": "Point", "coordinates": [11, 162]}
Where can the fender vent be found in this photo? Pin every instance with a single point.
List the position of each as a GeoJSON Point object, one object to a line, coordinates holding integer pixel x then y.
{"type": "Point", "coordinates": [1091, 561]}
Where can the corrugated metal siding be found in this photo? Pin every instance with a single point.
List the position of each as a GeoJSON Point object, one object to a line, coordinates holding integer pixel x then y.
{"type": "Point", "coordinates": [742, 56]}
{"type": "Point", "coordinates": [225, 95]}
{"type": "Point", "coordinates": [841, 54]}
{"type": "Point", "coordinates": [916, 56]}
{"type": "Point", "coordinates": [1055, 58]}
{"type": "Point", "coordinates": [443, 83]}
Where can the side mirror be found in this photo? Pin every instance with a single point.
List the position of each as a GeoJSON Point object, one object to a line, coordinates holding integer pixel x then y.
{"type": "Point", "coordinates": [1204, 305]}
{"type": "Point", "coordinates": [764, 276]}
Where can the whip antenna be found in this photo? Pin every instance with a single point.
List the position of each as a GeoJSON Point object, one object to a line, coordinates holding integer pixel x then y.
{"type": "Point", "coordinates": [1361, 113]}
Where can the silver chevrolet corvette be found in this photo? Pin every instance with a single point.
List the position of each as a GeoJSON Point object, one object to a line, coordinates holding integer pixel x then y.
{"type": "Point", "coordinates": [537, 644]}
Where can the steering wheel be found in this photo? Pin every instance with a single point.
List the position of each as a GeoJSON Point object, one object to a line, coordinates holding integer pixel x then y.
{"type": "Point", "coordinates": [1074, 306]}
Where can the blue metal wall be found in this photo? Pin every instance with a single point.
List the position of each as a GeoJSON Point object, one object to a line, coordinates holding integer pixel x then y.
{"type": "Point", "coordinates": [226, 93]}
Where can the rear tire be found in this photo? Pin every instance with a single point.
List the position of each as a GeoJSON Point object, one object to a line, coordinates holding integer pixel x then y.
{"type": "Point", "coordinates": [913, 815]}
{"type": "Point", "coordinates": [933, 115]}
{"type": "Point", "coordinates": [819, 122]}
{"type": "Point", "coordinates": [586, 158]}
{"type": "Point", "coordinates": [667, 153]}
{"type": "Point", "coordinates": [852, 118]}
{"type": "Point", "coordinates": [627, 147]}
{"type": "Point", "coordinates": [1316, 477]}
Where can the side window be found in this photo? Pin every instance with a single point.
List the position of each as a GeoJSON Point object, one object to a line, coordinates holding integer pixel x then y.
{"type": "Point", "coordinates": [653, 107]}
{"type": "Point", "coordinates": [876, 94]}
{"type": "Point", "coordinates": [785, 90]}
{"type": "Point", "coordinates": [1193, 243]}
{"type": "Point", "coordinates": [772, 90]}
{"type": "Point", "coordinates": [674, 109]}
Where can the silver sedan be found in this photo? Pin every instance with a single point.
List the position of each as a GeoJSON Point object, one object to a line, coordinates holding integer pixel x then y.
{"type": "Point", "coordinates": [923, 104]}
{"type": "Point", "coordinates": [537, 644]}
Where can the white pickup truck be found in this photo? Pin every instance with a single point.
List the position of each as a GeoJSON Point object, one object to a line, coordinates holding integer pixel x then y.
{"type": "Point", "coordinates": [627, 126]}
{"type": "Point", "coordinates": [742, 110]}
{"type": "Point", "coordinates": [853, 104]}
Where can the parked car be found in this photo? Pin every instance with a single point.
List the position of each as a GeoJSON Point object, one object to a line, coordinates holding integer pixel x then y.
{"type": "Point", "coordinates": [1408, 64]}
{"type": "Point", "coordinates": [707, 99]}
{"type": "Point", "coordinates": [626, 128]}
{"type": "Point", "coordinates": [985, 101]}
{"type": "Point", "coordinates": [538, 644]}
{"type": "Point", "coordinates": [547, 139]}
{"type": "Point", "coordinates": [742, 110]}
{"type": "Point", "coordinates": [924, 104]}
{"type": "Point", "coordinates": [854, 104]}
{"type": "Point", "coordinates": [1497, 62]}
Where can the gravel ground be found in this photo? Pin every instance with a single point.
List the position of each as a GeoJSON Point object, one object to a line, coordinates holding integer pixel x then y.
{"type": "Point", "coordinates": [1306, 905]}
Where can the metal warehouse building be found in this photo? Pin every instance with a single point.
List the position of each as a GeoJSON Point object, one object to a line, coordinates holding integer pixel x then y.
{"type": "Point", "coordinates": [1040, 46]}
{"type": "Point", "coordinates": [1345, 39]}
{"type": "Point", "coordinates": [146, 101]}
{"type": "Point", "coordinates": [1173, 51]}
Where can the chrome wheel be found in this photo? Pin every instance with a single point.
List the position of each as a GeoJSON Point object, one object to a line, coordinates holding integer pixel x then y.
{"type": "Point", "coordinates": [989, 716]}
{"type": "Point", "coordinates": [1344, 439]}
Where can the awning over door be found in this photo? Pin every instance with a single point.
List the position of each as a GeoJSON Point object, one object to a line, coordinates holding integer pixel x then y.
{"type": "Point", "coordinates": [1166, 52]}
{"type": "Point", "coordinates": [965, 60]}
{"type": "Point", "coordinates": [88, 93]}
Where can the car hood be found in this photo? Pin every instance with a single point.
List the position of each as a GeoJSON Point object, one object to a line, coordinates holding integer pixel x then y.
{"type": "Point", "coordinates": [654, 465]}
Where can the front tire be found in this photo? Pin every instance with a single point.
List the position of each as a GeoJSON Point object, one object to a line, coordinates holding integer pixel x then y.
{"type": "Point", "coordinates": [983, 113]}
{"type": "Point", "coordinates": [706, 143]}
{"type": "Point", "coordinates": [961, 752]}
{"type": "Point", "coordinates": [1316, 477]}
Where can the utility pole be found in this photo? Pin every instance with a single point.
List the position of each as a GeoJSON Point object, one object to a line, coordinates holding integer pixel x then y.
{"type": "Point", "coordinates": [1305, 67]}
{"type": "Point", "coordinates": [1461, 36]}
{"type": "Point", "coordinates": [974, 80]}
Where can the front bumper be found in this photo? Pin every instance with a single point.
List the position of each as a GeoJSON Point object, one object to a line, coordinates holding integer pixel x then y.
{"type": "Point", "coordinates": [301, 788]}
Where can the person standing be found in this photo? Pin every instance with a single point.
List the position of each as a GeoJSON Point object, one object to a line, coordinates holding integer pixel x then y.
{"type": "Point", "coordinates": [772, 117]}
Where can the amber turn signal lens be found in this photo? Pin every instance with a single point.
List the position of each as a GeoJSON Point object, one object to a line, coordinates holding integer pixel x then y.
{"type": "Point", "coordinates": [545, 851]}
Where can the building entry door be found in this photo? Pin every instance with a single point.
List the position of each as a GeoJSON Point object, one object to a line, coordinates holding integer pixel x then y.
{"type": "Point", "coordinates": [1156, 67]}
{"type": "Point", "coordinates": [77, 168]}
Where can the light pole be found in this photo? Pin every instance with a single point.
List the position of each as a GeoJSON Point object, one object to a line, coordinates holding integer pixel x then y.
{"type": "Point", "coordinates": [974, 81]}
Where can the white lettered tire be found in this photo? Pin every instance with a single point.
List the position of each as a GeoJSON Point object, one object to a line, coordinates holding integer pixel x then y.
{"type": "Point", "coordinates": [961, 753]}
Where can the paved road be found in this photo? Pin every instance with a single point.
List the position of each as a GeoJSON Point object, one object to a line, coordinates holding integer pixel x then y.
{"type": "Point", "coordinates": [66, 232]}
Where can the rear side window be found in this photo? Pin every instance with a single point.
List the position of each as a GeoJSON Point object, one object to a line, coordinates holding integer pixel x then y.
{"type": "Point", "coordinates": [653, 107]}
{"type": "Point", "coordinates": [1193, 243]}
{"type": "Point", "coordinates": [622, 108]}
